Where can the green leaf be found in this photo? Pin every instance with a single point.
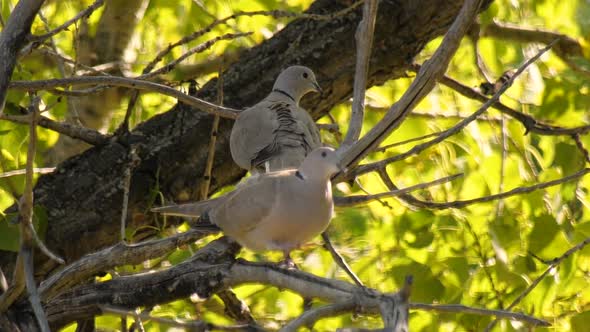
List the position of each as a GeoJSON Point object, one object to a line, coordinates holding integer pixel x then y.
{"type": "Point", "coordinates": [9, 233]}
{"type": "Point", "coordinates": [546, 239]}
{"type": "Point", "coordinates": [580, 322]}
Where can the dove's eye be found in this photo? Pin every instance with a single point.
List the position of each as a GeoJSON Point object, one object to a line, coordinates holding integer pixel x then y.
{"type": "Point", "coordinates": [305, 75]}
{"type": "Point", "coordinates": [324, 154]}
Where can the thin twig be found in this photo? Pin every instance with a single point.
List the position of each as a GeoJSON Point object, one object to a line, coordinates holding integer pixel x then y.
{"type": "Point", "coordinates": [531, 124]}
{"type": "Point", "coordinates": [132, 163]}
{"type": "Point", "coordinates": [26, 221]}
{"type": "Point", "coordinates": [516, 191]}
{"type": "Point", "coordinates": [565, 47]}
{"type": "Point", "coordinates": [392, 145]}
{"type": "Point", "coordinates": [34, 299]}
{"type": "Point", "coordinates": [273, 13]}
{"type": "Point", "coordinates": [197, 49]}
{"type": "Point", "coordinates": [456, 128]}
{"type": "Point", "coordinates": [364, 43]}
{"type": "Point", "coordinates": [363, 199]}
{"type": "Point", "coordinates": [196, 325]}
{"type": "Point", "coordinates": [310, 317]}
{"type": "Point", "coordinates": [236, 308]}
{"type": "Point", "coordinates": [131, 83]}
{"type": "Point", "coordinates": [213, 139]}
{"type": "Point", "coordinates": [340, 261]}
{"type": "Point", "coordinates": [36, 170]}
{"type": "Point", "coordinates": [83, 14]}
{"type": "Point", "coordinates": [16, 286]}
{"type": "Point", "coordinates": [500, 314]}
{"type": "Point", "coordinates": [556, 261]}
{"type": "Point", "coordinates": [581, 147]}
{"type": "Point", "coordinates": [3, 282]}
{"type": "Point", "coordinates": [84, 134]}
{"type": "Point", "coordinates": [423, 83]}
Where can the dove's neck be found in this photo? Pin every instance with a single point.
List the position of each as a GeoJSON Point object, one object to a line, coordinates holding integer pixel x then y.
{"type": "Point", "coordinates": [283, 96]}
{"type": "Point", "coordinates": [287, 91]}
{"type": "Point", "coordinates": [312, 176]}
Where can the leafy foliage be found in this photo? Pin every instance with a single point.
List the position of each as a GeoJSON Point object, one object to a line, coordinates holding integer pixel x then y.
{"type": "Point", "coordinates": [481, 255]}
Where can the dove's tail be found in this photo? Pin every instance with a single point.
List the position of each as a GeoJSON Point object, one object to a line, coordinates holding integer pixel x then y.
{"type": "Point", "coordinates": [190, 210]}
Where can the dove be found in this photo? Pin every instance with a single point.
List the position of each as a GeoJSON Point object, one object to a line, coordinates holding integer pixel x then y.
{"type": "Point", "coordinates": [277, 133]}
{"type": "Point", "coordinates": [279, 210]}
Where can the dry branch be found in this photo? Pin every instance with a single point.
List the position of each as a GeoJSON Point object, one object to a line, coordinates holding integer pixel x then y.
{"type": "Point", "coordinates": [128, 83]}
{"type": "Point", "coordinates": [12, 38]}
{"type": "Point", "coordinates": [456, 128]}
{"type": "Point", "coordinates": [37, 40]}
{"type": "Point", "coordinates": [87, 135]}
{"type": "Point", "coordinates": [364, 43]}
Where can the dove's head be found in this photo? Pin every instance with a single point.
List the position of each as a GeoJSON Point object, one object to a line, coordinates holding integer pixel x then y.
{"type": "Point", "coordinates": [321, 163]}
{"type": "Point", "coordinates": [296, 82]}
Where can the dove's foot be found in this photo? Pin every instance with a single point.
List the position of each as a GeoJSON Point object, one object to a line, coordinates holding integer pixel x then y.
{"type": "Point", "coordinates": [288, 263]}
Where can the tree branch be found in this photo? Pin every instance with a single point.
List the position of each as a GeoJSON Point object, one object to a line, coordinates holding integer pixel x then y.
{"type": "Point", "coordinates": [131, 83]}
{"type": "Point", "coordinates": [37, 40]}
{"type": "Point", "coordinates": [456, 128]}
{"type": "Point", "coordinates": [364, 43]}
{"type": "Point", "coordinates": [420, 87]}
{"type": "Point", "coordinates": [12, 38]}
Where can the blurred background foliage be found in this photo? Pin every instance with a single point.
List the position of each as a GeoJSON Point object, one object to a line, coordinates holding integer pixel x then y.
{"type": "Point", "coordinates": [479, 255]}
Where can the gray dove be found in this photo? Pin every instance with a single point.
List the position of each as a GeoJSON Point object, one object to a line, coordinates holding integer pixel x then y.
{"type": "Point", "coordinates": [276, 133]}
{"type": "Point", "coordinates": [279, 210]}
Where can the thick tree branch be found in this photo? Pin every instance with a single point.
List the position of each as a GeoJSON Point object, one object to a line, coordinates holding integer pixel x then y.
{"type": "Point", "coordinates": [108, 258]}
{"type": "Point", "coordinates": [13, 37]}
{"type": "Point", "coordinates": [212, 269]}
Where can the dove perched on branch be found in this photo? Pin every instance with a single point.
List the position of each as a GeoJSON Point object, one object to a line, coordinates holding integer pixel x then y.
{"type": "Point", "coordinates": [274, 211]}
{"type": "Point", "coordinates": [276, 133]}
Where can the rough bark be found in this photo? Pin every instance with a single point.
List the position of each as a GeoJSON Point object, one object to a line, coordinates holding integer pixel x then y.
{"type": "Point", "coordinates": [82, 198]}
{"type": "Point", "coordinates": [13, 38]}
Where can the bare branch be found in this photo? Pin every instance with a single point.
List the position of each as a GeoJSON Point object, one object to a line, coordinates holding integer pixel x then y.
{"type": "Point", "coordinates": [456, 128]}
{"type": "Point", "coordinates": [273, 13]}
{"type": "Point", "coordinates": [36, 40]}
{"type": "Point", "coordinates": [531, 124]}
{"type": "Point", "coordinates": [132, 163]}
{"type": "Point", "coordinates": [566, 46]}
{"type": "Point", "coordinates": [12, 38]}
{"type": "Point", "coordinates": [555, 262]}
{"type": "Point", "coordinates": [116, 255]}
{"type": "Point", "coordinates": [87, 135]}
{"type": "Point", "coordinates": [354, 200]}
{"type": "Point", "coordinates": [236, 308]}
{"type": "Point", "coordinates": [516, 191]}
{"type": "Point", "coordinates": [500, 314]}
{"type": "Point", "coordinates": [213, 139]}
{"type": "Point", "coordinates": [27, 239]}
{"type": "Point", "coordinates": [310, 317]}
{"type": "Point", "coordinates": [36, 170]}
{"type": "Point", "coordinates": [132, 83]}
{"type": "Point", "coordinates": [196, 326]}
{"type": "Point", "coordinates": [420, 87]}
{"type": "Point", "coordinates": [197, 49]}
{"type": "Point", "coordinates": [364, 43]}
{"type": "Point", "coordinates": [340, 261]}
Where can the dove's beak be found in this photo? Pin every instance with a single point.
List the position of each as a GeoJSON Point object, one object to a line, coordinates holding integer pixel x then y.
{"type": "Point", "coordinates": [317, 87]}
